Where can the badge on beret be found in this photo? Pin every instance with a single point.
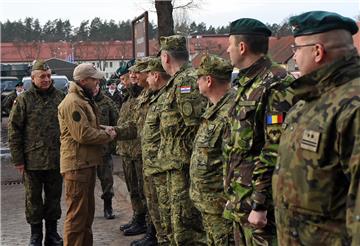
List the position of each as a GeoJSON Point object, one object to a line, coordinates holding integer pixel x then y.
{"type": "Point", "coordinates": [187, 108]}
{"type": "Point", "coordinates": [76, 116]}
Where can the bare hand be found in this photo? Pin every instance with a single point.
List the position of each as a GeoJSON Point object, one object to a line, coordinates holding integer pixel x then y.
{"type": "Point", "coordinates": [110, 131]}
{"type": "Point", "coordinates": [258, 218]}
{"type": "Point", "coordinates": [20, 167]}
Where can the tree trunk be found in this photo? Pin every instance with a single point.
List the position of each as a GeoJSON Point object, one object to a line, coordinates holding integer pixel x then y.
{"type": "Point", "coordinates": [164, 11]}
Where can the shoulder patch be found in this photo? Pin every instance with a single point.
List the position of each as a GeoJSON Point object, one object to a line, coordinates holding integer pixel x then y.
{"type": "Point", "coordinates": [187, 109]}
{"type": "Point", "coordinates": [76, 116]}
{"type": "Point", "coordinates": [185, 89]}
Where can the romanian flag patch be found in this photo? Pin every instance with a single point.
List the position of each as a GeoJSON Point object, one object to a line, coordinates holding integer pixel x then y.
{"type": "Point", "coordinates": [185, 89]}
{"type": "Point", "coordinates": [274, 119]}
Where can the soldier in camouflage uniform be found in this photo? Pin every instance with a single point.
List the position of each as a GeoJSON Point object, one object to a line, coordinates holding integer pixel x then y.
{"type": "Point", "coordinates": [180, 106]}
{"type": "Point", "coordinates": [256, 117]}
{"type": "Point", "coordinates": [206, 167]}
{"type": "Point", "coordinates": [35, 149]}
{"type": "Point", "coordinates": [9, 99]}
{"type": "Point", "coordinates": [150, 140]}
{"type": "Point", "coordinates": [108, 116]}
{"type": "Point", "coordinates": [130, 153]}
{"type": "Point", "coordinates": [316, 179]}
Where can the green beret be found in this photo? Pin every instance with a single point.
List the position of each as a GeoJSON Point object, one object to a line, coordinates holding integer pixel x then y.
{"type": "Point", "coordinates": [140, 64]}
{"type": "Point", "coordinates": [39, 65]}
{"type": "Point", "coordinates": [124, 69]}
{"type": "Point", "coordinates": [314, 22]}
{"type": "Point", "coordinates": [175, 43]}
{"type": "Point", "coordinates": [249, 26]}
{"type": "Point", "coordinates": [215, 66]}
{"type": "Point", "coordinates": [154, 65]}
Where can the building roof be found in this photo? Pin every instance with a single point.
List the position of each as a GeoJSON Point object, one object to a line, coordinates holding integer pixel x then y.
{"type": "Point", "coordinates": [279, 49]}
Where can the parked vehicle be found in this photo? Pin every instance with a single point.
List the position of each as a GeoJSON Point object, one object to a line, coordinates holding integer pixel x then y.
{"type": "Point", "coordinates": [61, 82]}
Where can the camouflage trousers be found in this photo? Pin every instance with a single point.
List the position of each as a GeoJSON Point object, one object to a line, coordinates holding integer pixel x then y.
{"type": "Point", "coordinates": [134, 183]}
{"type": "Point", "coordinates": [38, 207]}
{"type": "Point", "coordinates": [153, 209]}
{"type": "Point", "coordinates": [246, 235]}
{"type": "Point", "coordinates": [219, 231]}
{"type": "Point", "coordinates": [105, 174]}
{"type": "Point", "coordinates": [179, 218]}
{"type": "Point", "coordinates": [301, 229]}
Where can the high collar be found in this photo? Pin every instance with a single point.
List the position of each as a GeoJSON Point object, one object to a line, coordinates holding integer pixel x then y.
{"type": "Point", "coordinates": [316, 83]}
{"type": "Point", "coordinates": [75, 88]}
{"type": "Point", "coordinates": [256, 69]}
{"type": "Point", "coordinates": [215, 107]}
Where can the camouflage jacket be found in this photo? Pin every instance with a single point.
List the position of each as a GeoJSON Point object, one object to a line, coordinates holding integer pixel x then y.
{"type": "Point", "coordinates": [34, 129]}
{"type": "Point", "coordinates": [132, 131]}
{"type": "Point", "coordinates": [108, 116]}
{"type": "Point", "coordinates": [318, 169]}
{"type": "Point", "coordinates": [150, 138]}
{"type": "Point", "coordinates": [250, 152]}
{"type": "Point", "coordinates": [116, 97]}
{"type": "Point", "coordinates": [8, 102]}
{"type": "Point", "coordinates": [129, 146]}
{"type": "Point", "coordinates": [206, 166]}
{"type": "Point", "coordinates": [181, 108]}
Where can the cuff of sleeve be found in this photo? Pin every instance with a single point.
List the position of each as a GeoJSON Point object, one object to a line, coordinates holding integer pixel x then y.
{"type": "Point", "coordinates": [258, 201]}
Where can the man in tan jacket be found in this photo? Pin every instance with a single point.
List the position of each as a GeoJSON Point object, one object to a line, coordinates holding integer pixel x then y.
{"type": "Point", "coordinates": [81, 138]}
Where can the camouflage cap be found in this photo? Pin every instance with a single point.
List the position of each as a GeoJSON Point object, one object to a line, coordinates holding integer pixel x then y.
{"type": "Point", "coordinates": [176, 43]}
{"type": "Point", "coordinates": [39, 65]}
{"type": "Point", "coordinates": [314, 22]}
{"type": "Point", "coordinates": [154, 65]}
{"type": "Point", "coordinates": [140, 64]}
{"type": "Point", "coordinates": [215, 66]}
{"type": "Point", "coordinates": [249, 26]}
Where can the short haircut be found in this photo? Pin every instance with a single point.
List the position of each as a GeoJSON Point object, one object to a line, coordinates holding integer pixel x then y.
{"type": "Point", "coordinates": [164, 76]}
{"type": "Point", "coordinates": [257, 44]}
{"type": "Point", "coordinates": [178, 55]}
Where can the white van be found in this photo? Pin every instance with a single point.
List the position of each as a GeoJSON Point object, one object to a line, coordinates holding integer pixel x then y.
{"type": "Point", "coordinates": [61, 82]}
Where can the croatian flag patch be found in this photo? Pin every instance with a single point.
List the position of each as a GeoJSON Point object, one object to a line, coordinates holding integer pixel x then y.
{"type": "Point", "coordinates": [185, 89]}
{"type": "Point", "coordinates": [274, 119]}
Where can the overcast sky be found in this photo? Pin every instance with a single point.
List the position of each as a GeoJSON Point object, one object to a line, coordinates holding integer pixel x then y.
{"type": "Point", "coordinates": [212, 12]}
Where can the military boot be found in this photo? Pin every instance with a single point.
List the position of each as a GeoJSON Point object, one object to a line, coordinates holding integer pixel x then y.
{"type": "Point", "coordinates": [148, 240]}
{"type": "Point", "coordinates": [138, 227]}
{"type": "Point", "coordinates": [36, 235]}
{"type": "Point", "coordinates": [108, 211]}
{"type": "Point", "coordinates": [52, 238]}
{"type": "Point", "coordinates": [128, 225]}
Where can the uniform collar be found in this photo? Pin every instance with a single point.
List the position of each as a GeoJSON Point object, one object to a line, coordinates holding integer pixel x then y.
{"type": "Point", "coordinates": [259, 67]}
{"type": "Point", "coordinates": [216, 107]}
{"type": "Point", "coordinates": [316, 83]}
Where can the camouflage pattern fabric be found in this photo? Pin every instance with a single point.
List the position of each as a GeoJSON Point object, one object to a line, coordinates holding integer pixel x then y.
{"type": "Point", "coordinates": [181, 108]}
{"type": "Point", "coordinates": [154, 178]}
{"type": "Point", "coordinates": [132, 170]}
{"type": "Point", "coordinates": [34, 110]}
{"type": "Point", "coordinates": [38, 208]}
{"type": "Point", "coordinates": [316, 179]}
{"type": "Point", "coordinates": [251, 150]}
{"type": "Point", "coordinates": [108, 115]}
{"type": "Point", "coordinates": [206, 171]}
{"type": "Point", "coordinates": [116, 98]}
{"type": "Point", "coordinates": [8, 102]}
{"type": "Point", "coordinates": [127, 117]}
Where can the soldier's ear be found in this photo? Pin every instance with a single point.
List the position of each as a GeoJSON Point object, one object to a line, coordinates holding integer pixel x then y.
{"type": "Point", "coordinates": [209, 81]}
{"type": "Point", "coordinates": [319, 53]}
{"type": "Point", "coordinates": [242, 47]}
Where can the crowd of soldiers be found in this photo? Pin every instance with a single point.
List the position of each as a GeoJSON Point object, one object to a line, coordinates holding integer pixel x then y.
{"type": "Point", "coordinates": [265, 159]}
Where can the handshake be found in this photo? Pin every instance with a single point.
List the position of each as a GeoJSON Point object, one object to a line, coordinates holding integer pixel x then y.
{"type": "Point", "coordinates": [110, 130]}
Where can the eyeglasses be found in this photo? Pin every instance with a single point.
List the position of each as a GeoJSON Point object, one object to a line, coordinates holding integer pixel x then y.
{"type": "Point", "coordinates": [295, 47]}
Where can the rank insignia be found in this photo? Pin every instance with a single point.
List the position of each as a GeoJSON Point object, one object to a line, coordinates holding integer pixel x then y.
{"type": "Point", "coordinates": [310, 140]}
